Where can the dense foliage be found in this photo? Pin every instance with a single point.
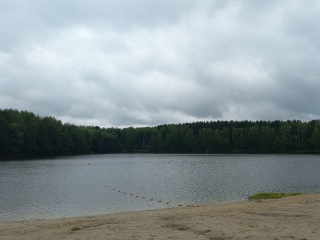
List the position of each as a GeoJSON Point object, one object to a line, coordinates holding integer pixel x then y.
{"type": "Point", "coordinates": [23, 133]}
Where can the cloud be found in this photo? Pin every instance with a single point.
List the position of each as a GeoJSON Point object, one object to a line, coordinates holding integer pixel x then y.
{"type": "Point", "coordinates": [142, 63]}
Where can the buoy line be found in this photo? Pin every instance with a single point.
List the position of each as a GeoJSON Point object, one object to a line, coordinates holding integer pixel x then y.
{"type": "Point", "coordinates": [152, 199]}
{"type": "Point", "coordinates": [119, 191]}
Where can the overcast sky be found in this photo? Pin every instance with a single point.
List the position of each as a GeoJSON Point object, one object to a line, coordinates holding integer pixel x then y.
{"type": "Point", "coordinates": [148, 62]}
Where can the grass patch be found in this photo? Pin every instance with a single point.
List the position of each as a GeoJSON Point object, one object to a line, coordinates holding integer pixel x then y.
{"type": "Point", "coordinates": [271, 195]}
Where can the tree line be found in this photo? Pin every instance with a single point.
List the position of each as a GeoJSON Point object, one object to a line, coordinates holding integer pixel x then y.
{"type": "Point", "coordinates": [23, 133]}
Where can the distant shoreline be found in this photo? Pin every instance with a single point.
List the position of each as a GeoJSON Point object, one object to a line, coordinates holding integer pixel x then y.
{"type": "Point", "coordinates": [159, 153]}
{"type": "Point", "coordinates": [290, 217]}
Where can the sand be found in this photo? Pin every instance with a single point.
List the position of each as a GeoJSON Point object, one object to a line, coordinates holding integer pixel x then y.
{"type": "Point", "coordinates": [293, 217]}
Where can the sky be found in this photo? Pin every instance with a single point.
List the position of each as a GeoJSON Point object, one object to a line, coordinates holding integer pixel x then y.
{"type": "Point", "coordinates": [116, 63]}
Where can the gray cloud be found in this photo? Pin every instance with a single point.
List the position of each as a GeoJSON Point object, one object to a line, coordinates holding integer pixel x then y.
{"type": "Point", "coordinates": [120, 63]}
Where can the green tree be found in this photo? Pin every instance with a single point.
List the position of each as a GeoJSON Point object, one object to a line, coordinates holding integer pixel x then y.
{"type": "Point", "coordinates": [238, 138]}
{"type": "Point", "coordinates": [266, 138]}
{"type": "Point", "coordinates": [156, 143]}
{"type": "Point", "coordinates": [285, 134]}
{"type": "Point", "coordinates": [128, 139]}
{"type": "Point", "coordinates": [253, 137]}
{"type": "Point", "coordinates": [302, 133]}
{"type": "Point", "coordinates": [205, 139]}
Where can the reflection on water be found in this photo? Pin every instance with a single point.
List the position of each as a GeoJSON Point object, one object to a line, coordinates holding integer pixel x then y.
{"type": "Point", "coordinates": [69, 186]}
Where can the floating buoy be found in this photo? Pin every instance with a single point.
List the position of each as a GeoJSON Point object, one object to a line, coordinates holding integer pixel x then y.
{"type": "Point", "coordinates": [47, 181]}
{"type": "Point", "coordinates": [142, 197]}
{"type": "Point", "coordinates": [89, 163]}
{"type": "Point", "coordinates": [159, 201]}
{"type": "Point", "coordinates": [167, 202]}
{"type": "Point", "coordinates": [131, 194]}
{"type": "Point", "coordinates": [137, 196]}
{"type": "Point", "coordinates": [180, 205]}
{"type": "Point", "coordinates": [118, 191]}
{"type": "Point", "coordinates": [151, 199]}
{"type": "Point", "coordinates": [114, 189]}
{"type": "Point", "coordinates": [169, 162]}
{"type": "Point", "coordinates": [188, 205]}
{"type": "Point", "coordinates": [198, 206]}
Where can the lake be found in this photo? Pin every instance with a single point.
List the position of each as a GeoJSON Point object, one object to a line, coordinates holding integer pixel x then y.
{"type": "Point", "coordinates": [84, 185]}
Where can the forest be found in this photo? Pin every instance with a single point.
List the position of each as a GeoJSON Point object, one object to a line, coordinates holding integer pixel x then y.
{"type": "Point", "coordinates": [24, 134]}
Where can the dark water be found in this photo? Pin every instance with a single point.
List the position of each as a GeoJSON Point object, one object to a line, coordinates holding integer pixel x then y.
{"type": "Point", "coordinates": [69, 186]}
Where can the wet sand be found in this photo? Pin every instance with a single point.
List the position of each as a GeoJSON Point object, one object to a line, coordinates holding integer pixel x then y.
{"type": "Point", "coordinates": [293, 217]}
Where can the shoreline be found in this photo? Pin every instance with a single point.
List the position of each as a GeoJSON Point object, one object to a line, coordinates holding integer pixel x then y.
{"type": "Point", "coordinates": [233, 152]}
{"type": "Point", "coordinates": [294, 217]}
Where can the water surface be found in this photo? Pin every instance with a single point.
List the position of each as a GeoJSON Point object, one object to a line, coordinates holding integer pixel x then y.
{"type": "Point", "coordinates": [69, 186]}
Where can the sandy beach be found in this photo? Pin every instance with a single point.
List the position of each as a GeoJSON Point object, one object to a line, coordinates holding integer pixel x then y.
{"type": "Point", "coordinates": [293, 217]}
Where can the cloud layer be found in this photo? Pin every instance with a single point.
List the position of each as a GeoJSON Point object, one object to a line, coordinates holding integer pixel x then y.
{"type": "Point", "coordinates": [143, 63]}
